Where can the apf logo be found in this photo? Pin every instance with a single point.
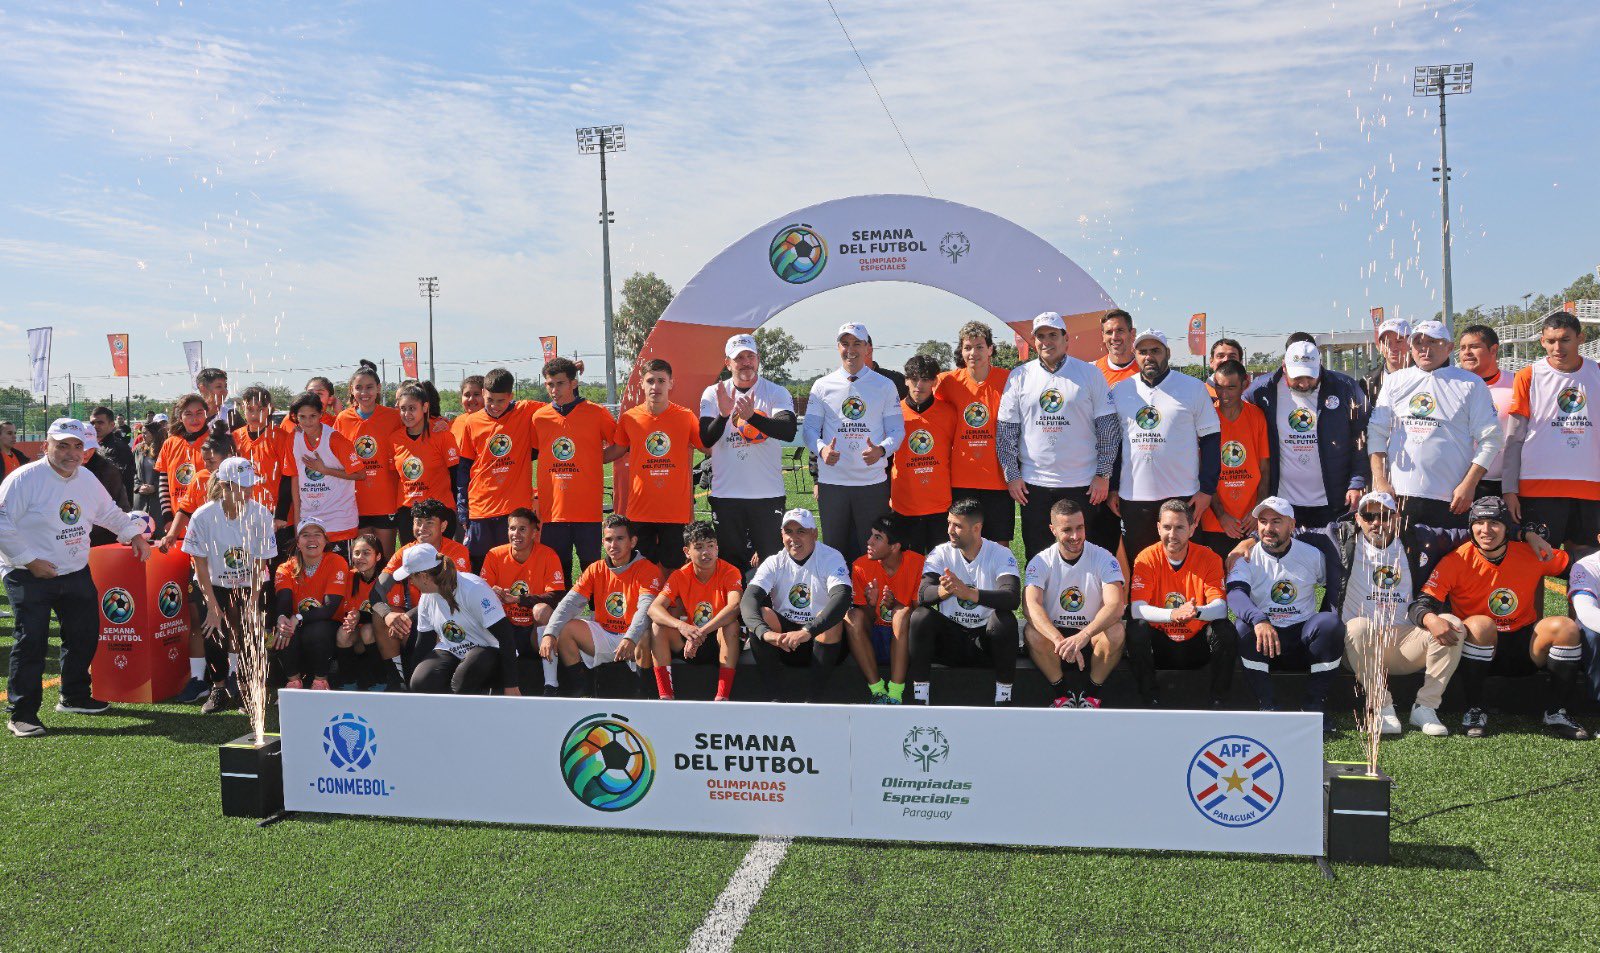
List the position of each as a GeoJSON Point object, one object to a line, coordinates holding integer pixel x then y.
{"type": "Point", "coordinates": [1147, 417]}
{"type": "Point", "coordinates": [800, 595]}
{"type": "Point", "coordinates": [1072, 599]}
{"type": "Point", "coordinates": [117, 606]}
{"type": "Point", "coordinates": [1233, 454]}
{"type": "Point", "coordinates": [500, 445]}
{"type": "Point", "coordinates": [170, 600]}
{"type": "Point", "coordinates": [1234, 781]}
{"type": "Point", "coordinates": [1301, 419]}
{"type": "Point", "coordinates": [561, 448]}
{"type": "Point", "coordinates": [925, 747]}
{"type": "Point", "coordinates": [1284, 592]}
{"type": "Point", "coordinates": [366, 447]}
{"type": "Point", "coordinates": [350, 743]}
{"type": "Point", "coordinates": [607, 763]}
{"type": "Point", "coordinates": [70, 513]}
{"type": "Point", "coordinates": [920, 442]}
{"type": "Point", "coordinates": [853, 408]}
{"type": "Point", "coordinates": [1571, 400]}
{"type": "Point", "coordinates": [1502, 602]}
{"type": "Point", "coordinates": [1422, 404]}
{"type": "Point", "coordinates": [976, 414]}
{"type": "Point", "coordinates": [411, 469]}
{"type": "Point", "coordinates": [953, 245]}
{"type": "Point", "coordinates": [615, 605]}
{"type": "Point", "coordinates": [453, 632]}
{"type": "Point", "coordinates": [1051, 401]}
{"type": "Point", "coordinates": [1385, 577]}
{"type": "Point", "coordinates": [658, 444]}
{"type": "Point", "coordinates": [797, 254]}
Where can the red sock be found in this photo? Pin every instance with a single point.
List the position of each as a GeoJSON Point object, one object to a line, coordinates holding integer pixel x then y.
{"type": "Point", "coordinates": [725, 683]}
{"type": "Point", "coordinates": [664, 681]}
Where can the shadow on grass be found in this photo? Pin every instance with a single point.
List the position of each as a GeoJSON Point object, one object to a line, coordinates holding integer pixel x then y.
{"type": "Point", "coordinates": [180, 727]}
{"type": "Point", "coordinates": [1435, 857]}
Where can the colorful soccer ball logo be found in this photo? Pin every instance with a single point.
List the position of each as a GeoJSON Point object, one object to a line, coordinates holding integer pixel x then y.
{"type": "Point", "coordinates": [519, 588]}
{"type": "Point", "coordinates": [800, 595]}
{"type": "Point", "coordinates": [1422, 405]}
{"type": "Point", "coordinates": [1072, 599]}
{"type": "Point", "coordinates": [606, 763]}
{"type": "Point", "coordinates": [657, 444]}
{"type": "Point", "coordinates": [70, 513]}
{"type": "Point", "coordinates": [349, 742]}
{"type": "Point", "coordinates": [1502, 602]}
{"type": "Point", "coordinates": [1051, 401]}
{"type": "Point", "coordinates": [234, 557]}
{"type": "Point", "coordinates": [702, 614]}
{"type": "Point", "coordinates": [366, 447]}
{"type": "Point", "coordinates": [1147, 417]}
{"type": "Point", "coordinates": [561, 448]}
{"type": "Point", "coordinates": [170, 600]}
{"type": "Point", "coordinates": [797, 254]}
{"type": "Point", "coordinates": [615, 605]}
{"type": "Point", "coordinates": [976, 414]}
{"type": "Point", "coordinates": [117, 606]}
{"type": "Point", "coordinates": [1284, 592]}
{"type": "Point", "coordinates": [1174, 600]}
{"type": "Point", "coordinates": [1385, 577]}
{"type": "Point", "coordinates": [853, 408]}
{"type": "Point", "coordinates": [921, 442]}
{"type": "Point", "coordinates": [1233, 454]}
{"type": "Point", "coordinates": [184, 474]}
{"type": "Point", "coordinates": [500, 445]}
{"type": "Point", "coordinates": [885, 610]}
{"type": "Point", "coordinates": [453, 632]}
{"type": "Point", "coordinates": [411, 469]}
{"type": "Point", "coordinates": [1571, 400]}
{"type": "Point", "coordinates": [1301, 420]}
{"type": "Point", "coordinates": [305, 605]}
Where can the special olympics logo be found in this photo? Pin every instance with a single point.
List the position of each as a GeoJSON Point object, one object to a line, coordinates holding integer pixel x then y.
{"type": "Point", "coordinates": [1571, 400]}
{"type": "Point", "coordinates": [1234, 781]}
{"type": "Point", "coordinates": [1422, 404]}
{"type": "Point", "coordinates": [500, 445]}
{"type": "Point", "coordinates": [117, 606]}
{"type": "Point", "coordinates": [561, 448]}
{"type": "Point", "coordinates": [1233, 454]}
{"type": "Point", "coordinates": [615, 605]}
{"type": "Point", "coordinates": [976, 414]}
{"type": "Point", "coordinates": [800, 595]}
{"type": "Point", "coordinates": [1147, 417]}
{"type": "Point", "coordinates": [1284, 592]}
{"type": "Point", "coordinates": [366, 447]}
{"type": "Point", "coordinates": [411, 469]}
{"type": "Point", "coordinates": [70, 513]}
{"type": "Point", "coordinates": [234, 557]}
{"type": "Point", "coordinates": [1301, 420]}
{"type": "Point", "coordinates": [349, 742]}
{"type": "Point", "coordinates": [1051, 401]}
{"type": "Point", "coordinates": [453, 632]}
{"type": "Point", "coordinates": [170, 600]}
{"type": "Point", "coordinates": [1385, 577]}
{"type": "Point", "coordinates": [1072, 599]}
{"type": "Point", "coordinates": [797, 254]}
{"type": "Point", "coordinates": [921, 442]}
{"type": "Point", "coordinates": [925, 747]}
{"type": "Point", "coordinates": [184, 474]}
{"type": "Point", "coordinates": [702, 613]}
{"type": "Point", "coordinates": [657, 444]}
{"type": "Point", "coordinates": [853, 408]}
{"type": "Point", "coordinates": [953, 245]}
{"type": "Point", "coordinates": [607, 763]}
{"type": "Point", "coordinates": [1502, 602]}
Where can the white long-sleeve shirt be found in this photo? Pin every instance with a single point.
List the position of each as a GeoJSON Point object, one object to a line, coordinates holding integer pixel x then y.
{"type": "Point", "coordinates": [44, 515]}
{"type": "Point", "coordinates": [854, 413]}
{"type": "Point", "coordinates": [1434, 425]}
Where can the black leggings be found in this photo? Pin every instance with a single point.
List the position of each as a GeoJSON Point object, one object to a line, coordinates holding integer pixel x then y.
{"type": "Point", "coordinates": [937, 637]}
{"type": "Point", "coordinates": [442, 673]}
{"type": "Point", "coordinates": [234, 603]}
{"type": "Point", "coordinates": [309, 652]}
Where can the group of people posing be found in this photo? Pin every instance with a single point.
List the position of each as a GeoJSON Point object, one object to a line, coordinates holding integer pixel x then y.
{"type": "Point", "coordinates": [1289, 522]}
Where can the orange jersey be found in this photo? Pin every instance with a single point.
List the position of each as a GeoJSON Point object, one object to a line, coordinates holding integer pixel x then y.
{"type": "Point", "coordinates": [447, 547]}
{"type": "Point", "coordinates": [288, 424]}
{"type": "Point", "coordinates": [194, 495]}
{"type": "Point", "coordinates": [1244, 455]}
{"type": "Point", "coordinates": [501, 451]}
{"type": "Point", "coordinates": [360, 597]}
{"type": "Point", "coordinates": [179, 459]}
{"type": "Point", "coordinates": [701, 601]}
{"type": "Point", "coordinates": [8, 462]}
{"type": "Point", "coordinates": [268, 451]}
{"type": "Point", "coordinates": [423, 466]}
{"type": "Point", "coordinates": [332, 578]}
{"type": "Point", "coordinates": [373, 438]}
{"type": "Point", "coordinates": [1115, 375]}
{"type": "Point", "coordinates": [541, 574]}
{"type": "Point", "coordinates": [920, 484]}
{"type": "Point", "coordinates": [572, 462]}
{"type": "Point", "coordinates": [902, 585]}
{"type": "Point", "coordinates": [615, 595]}
{"type": "Point", "coordinates": [1198, 580]}
{"type": "Point", "coordinates": [973, 462]}
{"type": "Point", "coordinates": [660, 462]}
{"type": "Point", "coordinates": [1509, 593]}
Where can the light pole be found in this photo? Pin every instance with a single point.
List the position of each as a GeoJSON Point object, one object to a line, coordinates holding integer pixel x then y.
{"type": "Point", "coordinates": [604, 139]}
{"type": "Point", "coordinates": [1443, 81]}
{"type": "Point", "coordinates": [429, 288]}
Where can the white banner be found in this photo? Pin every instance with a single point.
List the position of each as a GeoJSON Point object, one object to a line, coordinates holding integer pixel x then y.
{"type": "Point", "coordinates": [1161, 780]}
{"type": "Point", "coordinates": [39, 359]}
{"type": "Point", "coordinates": [194, 353]}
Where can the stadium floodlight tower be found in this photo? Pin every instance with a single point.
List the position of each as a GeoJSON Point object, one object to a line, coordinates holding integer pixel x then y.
{"type": "Point", "coordinates": [604, 139]}
{"type": "Point", "coordinates": [1451, 80]}
{"type": "Point", "coordinates": [429, 288]}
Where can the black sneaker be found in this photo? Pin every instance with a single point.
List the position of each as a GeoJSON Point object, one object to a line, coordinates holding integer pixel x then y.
{"type": "Point", "coordinates": [551, 691]}
{"type": "Point", "coordinates": [1475, 722]}
{"type": "Point", "coordinates": [217, 700]}
{"type": "Point", "coordinates": [1563, 727]}
{"type": "Point", "coordinates": [194, 691]}
{"type": "Point", "coordinates": [23, 728]}
{"type": "Point", "coordinates": [87, 706]}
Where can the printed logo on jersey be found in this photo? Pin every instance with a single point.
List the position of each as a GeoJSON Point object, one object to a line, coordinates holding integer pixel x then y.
{"type": "Point", "coordinates": [966, 603]}
{"type": "Point", "coordinates": [1571, 400]}
{"type": "Point", "coordinates": [920, 442]}
{"type": "Point", "coordinates": [1147, 417]}
{"type": "Point", "coordinates": [234, 558]}
{"type": "Point", "coordinates": [976, 414]}
{"type": "Point", "coordinates": [1234, 781]}
{"type": "Point", "coordinates": [1072, 599]}
{"type": "Point", "coordinates": [1502, 602]}
{"type": "Point", "coordinates": [313, 474]}
{"type": "Point", "coordinates": [184, 474]}
{"type": "Point", "coordinates": [562, 448]}
{"type": "Point", "coordinates": [800, 595]}
{"type": "Point", "coordinates": [411, 469]}
{"type": "Point", "coordinates": [615, 605]}
{"type": "Point", "coordinates": [657, 444]}
{"type": "Point", "coordinates": [1051, 401]}
{"type": "Point", "coordinates": [1174, 600]}
{"type": "Point", "coordinates": [366, 447]}
{"type": "Point", "coordinates": [853, 408]}
{"type": "Point", "coordinates": [452, 632]}
{"type": "Point", "coordinates": [117, 606]}
{"type": "Point", "coordinates": [1385, 577]}
{"type": "Point", "coordinates": [519, 589]}
{"type": "Point", "coordinates": [1284, 592]}
{"type": "Point", "coordinates": [1423, 404]}
{"type": "Point", "coordinates": [1233, 454]}
{"type": "Point", "coordinates": [305, 605]}
{"type": "Point", "coordinates": [70, 512]}
{"type": "Point", "coordinates": [925, 747]}
{"type": "Point", "coordinates": [701, 614]}
{"type": "Point", "coordinates": [170, 600]}
{"type": "Point", "coordinates": [500, 445]}
{"type": "Point", "coordinates": [1301, 420]}
{"type": "Point", "coordinates": [607, 763]}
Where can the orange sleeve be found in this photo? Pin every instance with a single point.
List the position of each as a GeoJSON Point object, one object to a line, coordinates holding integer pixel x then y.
{"type": "Point", "coordinates": [692, 424]}
{"type": "Point", "coordinates": [344, 451]}
{"type": "Point", "coordinates": [338, 577]}
{"type": "Point", "coordinates": [585, 586]}
{"type": "Point", "coordinates": [394, 561]}
{"type": "Point", "coordinates": [447, 447]}
{"type": "Point", "coordinates": [858, 582]}
{"type": "Point", "coordinates": [283, 579]}
{"type": "Point", "coordinates": [668, 593]}
{"type": "Point", "coordinates": [1441, 582]}
{"type": "Point", "coordinates": [1144, 578]}
{"type": "Point", "coordinates": [1211, 569]}
{"type": "Point", "coordinates": [1521, 390]}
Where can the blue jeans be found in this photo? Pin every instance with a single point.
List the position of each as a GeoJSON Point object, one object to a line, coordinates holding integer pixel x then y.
{"type": "Point", "coordinates": [75, 601]}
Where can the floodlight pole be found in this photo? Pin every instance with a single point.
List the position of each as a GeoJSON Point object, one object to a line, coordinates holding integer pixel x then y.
{"type": "Point", "coordinates": [1444, 218]}
{"type": "Point", "coordinates": [605, 248]}
{"type": "Point", "coordinates": [429, 288]}
{"type": "Point", "coordinates": [1443, 81]}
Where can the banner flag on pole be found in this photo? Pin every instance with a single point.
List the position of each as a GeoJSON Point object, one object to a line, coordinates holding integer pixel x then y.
{"type": "Point", "coordinates": [119, 354]}
{"type": "Point", "coordinates": [1197, 333]}
{"type": "Point", "coordinates": [548, 344]}
{"type": "Point", "coordinates": [1377, 319]}
{"type": "Point", "coordinates": [39, 359]}
{"type": "Point", "coordinates": [192, 352]}
{"type": "Point", "coordinates": [408, 359]}
{"type": "Point", "coordinates": [1570, 307]}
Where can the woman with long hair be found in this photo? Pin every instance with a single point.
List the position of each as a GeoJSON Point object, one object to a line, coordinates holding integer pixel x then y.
{"type": "Point", "coordinates": [464, 638]}
{"type": "Point", "coordinates": [371, 428]}
{"type": "Point", "coordinates": [326, 471]}
{"type": "Point", "coordinates": [311, 587]}
{"type": "Point", "coordinates": [177, 462]}
{"type": "Point", "coordinates": [425, 458]}
{"type": "Point", "coordinates": [146, 494]}
{"type": "Point", "coordinates": [360, 663]}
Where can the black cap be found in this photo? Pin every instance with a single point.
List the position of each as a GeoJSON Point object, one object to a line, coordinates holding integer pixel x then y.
{"type": "Point", "coordinates": [429, 509]}
{"type": "Point", "coordinates": [1489, 508]}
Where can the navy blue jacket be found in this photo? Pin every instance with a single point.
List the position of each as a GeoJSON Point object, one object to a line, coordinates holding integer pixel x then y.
{"type": "Point", "coordinates": [1341, 431]}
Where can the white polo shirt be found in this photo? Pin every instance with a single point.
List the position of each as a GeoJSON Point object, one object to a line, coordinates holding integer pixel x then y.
{"type": "Point", "coordinates": [1056, 410]}
{"type": "Point", "coordinates": [746, 464]}
{"type": "Point", "coordinates": [984, 571]}
{"type": "Point", "coordinates": [1161, 431]}
{"type": "Point", "coordinates": [1073, 591]}
{"type": "Point", "coordinates": [1434, 425]}
{"type": "Point", "coordinates": [44, 515]}
{"type": "Point", "coordinates": [800, 590]}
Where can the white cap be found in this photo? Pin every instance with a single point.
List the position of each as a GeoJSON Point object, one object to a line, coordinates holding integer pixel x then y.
{"type": "Point", "coordinates": [1050, 319]}
{"type": "Point", "coordinates": [1276, 504]}
{"type": "Point", "coordinates": [1151, 334]}
{"type": "Point", "coordinates": [856, 330]}
{"type": "Point", "coordinates": [738, 344]}
{"type": "Point", "coordinates": [1382, 499]}
{"type": "Point", "coordinates": [236, 470]}
{"type": "Point", "coordinates": [306, 522]}
{"type": "Point", "coordinates": [159, 419]}
{"type": "Point", "coordinates": [1302, 359]}
{"type": "Point", "coordinates": [418, 558]}
{"type": "Point", "coordinates": [64, 428]}
{"type": "Point", "coordinates": [1431, 329]}
{"type": "Point", "coordinates": [1398, 326]}
{"type": "Point", "coordinates": [802, 516]}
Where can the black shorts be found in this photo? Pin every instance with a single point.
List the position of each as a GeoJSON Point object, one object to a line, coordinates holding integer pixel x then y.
{"type": "Point", "coordinates": [1563, 521]}
{"type": "Point", "coordinates": [380, 520]}
{"type": "Point", "coordinates": [1511, 658]}
{"type": "Point", "coordinates": [708, 654]}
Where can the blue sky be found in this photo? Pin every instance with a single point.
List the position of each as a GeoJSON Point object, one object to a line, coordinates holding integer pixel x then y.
{"type": "Point", "coordinates": [272, 178]}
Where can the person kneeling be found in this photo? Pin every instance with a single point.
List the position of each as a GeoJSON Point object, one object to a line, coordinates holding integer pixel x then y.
{"type": "Point", "coordinates": [617, 633]}
{"type": "Point", "coordinates": [311, 589]}
{"type": "Point", "coordinates": [1177, 595]}
{"type": "Point", "coordinates": [699, 603]}
{"type": "Point", "coordinates": [1073, 602]}
{"type": "Point", "coordinates": [464, 636]}
{"type": "Point", "coordinates": [781, 607]}
{"type": "Point", "coordinates": [885, 582]}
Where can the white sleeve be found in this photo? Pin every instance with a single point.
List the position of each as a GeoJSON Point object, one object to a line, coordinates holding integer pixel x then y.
{"type": "Point", "coordinates": [1008, 565]}
{"type": "Point", "coordinates": [1587, 609]}
{"type": "Point", "coordinates": [782, 401]}
{"type": "Point", "coordinates": [14, 501]}
{"type": "Point", "coordinates": [839, 575]}
{"type": "Point", "coordinates": [1484, 424]}
{"type": "Point", "coordinates": [1037, 573]}
{"type": "Point", "coordinates": [765, 573]}
{"type": "Point", "coordinates": [934, 564]}
{"type": "Point", "coordinates": [194, 539]}
{"type": "Point", "coordinates": [708, 401]}
{"type": "Point", "coordinates": [1111, 570]}
{"type": "Point", "coordinates": [489, 609]}
{"type": "Point", "coordinates": [1145, 612]}
{"type": "Point", "coordinates": [1380, 424]}
{"type": "Point", "coordinates": [1008, 411]}
{"type": "Point", "coordinates": [1206, 421]}
{"type": "Point", "coordinates": [1100, 393]}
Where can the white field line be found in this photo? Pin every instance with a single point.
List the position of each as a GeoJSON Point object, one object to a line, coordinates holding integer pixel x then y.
{"type": "Point", "coordinates": [728, 915]}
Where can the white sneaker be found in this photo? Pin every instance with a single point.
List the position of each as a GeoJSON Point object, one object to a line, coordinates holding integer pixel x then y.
{"type": "Point", "coordinates": [1428, 720]}
{"type": "Point", "coordinates": [1388, 721]}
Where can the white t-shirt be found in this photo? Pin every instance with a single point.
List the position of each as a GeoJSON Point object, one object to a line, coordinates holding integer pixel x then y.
{"type": "Point", "coordinates": [329, 499]}
{"type": "Point", "coordinates": [849, 414]}
{"type": "Point", "coordinates": [44, 515]}
{"type": "Point", "coordinates": [1500, 393]}
{"type": "Point", "coordinates": [1161, 431]}
{"type": "Point", "coordinates": [1585, 577]}
{"type": "Point", "coordinates": [746, 464]}
{"type": "Point", "coordinates": [231, 547]}
{"type": "Point", "coordinates": [1379, 586]}
{"type": "Point", "coordinates": [1056, 410]}
{"type": "Point", "coordinates": [466, 627]}
{"type": "Point", "coordinates": [993, 562]}
{"type": "Point", "coordinates": [1299, 460]}
{"type": "Point", "coordinates": [1561, 442]}
{"type": "Point", "coordinates": [1434, 425]}
{"type": "Point", "coordinates": [1285, 590]}
{"type": "Point", "coordinates": [1072, 591]}
{"type": "Point", "coordinates": [799, 591]}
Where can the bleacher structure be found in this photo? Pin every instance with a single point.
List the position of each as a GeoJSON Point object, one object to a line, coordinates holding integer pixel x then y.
{"type": "Point", "coordinates": [1356, 352]}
